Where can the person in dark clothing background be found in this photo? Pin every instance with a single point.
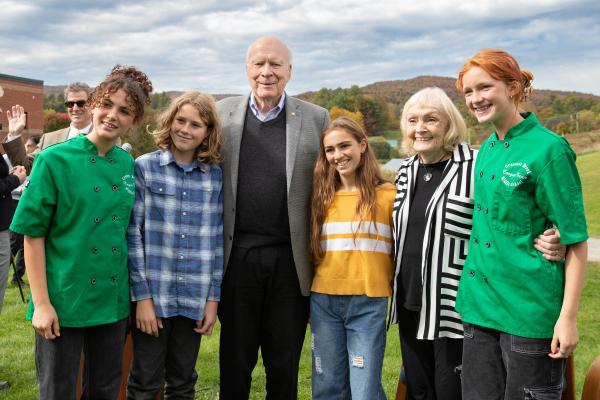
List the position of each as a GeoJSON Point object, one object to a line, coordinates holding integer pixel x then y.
{"type": "Point", "coordinates": [9, 180]}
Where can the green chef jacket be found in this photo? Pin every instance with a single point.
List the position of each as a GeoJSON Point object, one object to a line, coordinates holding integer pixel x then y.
{"type": "Point", "coordinates": [524, 184]}
{"type": "Point", "coordinates": [81, 203]}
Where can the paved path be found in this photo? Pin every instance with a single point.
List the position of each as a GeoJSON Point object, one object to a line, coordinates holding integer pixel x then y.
{"type": "Point", "coordinates": [594, 249]}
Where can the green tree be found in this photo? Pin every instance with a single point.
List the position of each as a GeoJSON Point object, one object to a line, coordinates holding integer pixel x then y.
{"type": "Point", "coordinates": [342, 98]}
{"type": "Point", "coordinates": [336, 112]}
{"type": "Point", "coordinates": [55, 102]}
{"type": "Point", "coordinates": [55, 120]}
{"type": "Point", "coordinates": [563, 128]}
{"type": "Point", "coordinates": [140, 138]}
{"type": "Point", "coordinates": [159, 101]}
{"type": "Point", "coordinates": [375, 113]}
{"type": "Point", "coordinates": [381, 148]}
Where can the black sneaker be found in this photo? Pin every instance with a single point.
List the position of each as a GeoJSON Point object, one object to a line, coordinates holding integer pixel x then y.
{"type": "Point", "coordinates": [4, 385]}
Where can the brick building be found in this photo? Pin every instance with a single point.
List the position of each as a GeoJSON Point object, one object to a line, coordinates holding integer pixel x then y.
{"type": "Point", "coordinates": [30, 94]}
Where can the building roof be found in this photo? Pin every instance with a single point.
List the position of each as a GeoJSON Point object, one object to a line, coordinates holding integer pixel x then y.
{"type": "Point", "coordinates": [21, 79]}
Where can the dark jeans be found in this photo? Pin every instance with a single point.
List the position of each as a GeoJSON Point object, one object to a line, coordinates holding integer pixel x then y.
{"type": "Point", "coordinates": [432, 367]}
{"type": "Point", "coordinates": [261, 307]}
{"type": "Point", "coordinates": [57, 361]}
{"type": "Point", "coordinates": [498, 365]}
{"type": "Point", "coordinates": [170, 358]}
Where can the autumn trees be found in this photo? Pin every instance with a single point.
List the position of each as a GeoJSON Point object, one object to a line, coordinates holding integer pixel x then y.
{"type": "Point", "coordinates": [370, 111]}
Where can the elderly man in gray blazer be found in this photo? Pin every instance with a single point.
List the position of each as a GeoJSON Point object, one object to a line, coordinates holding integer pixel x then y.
{"type": "Point", "coordinates": [271, 144]}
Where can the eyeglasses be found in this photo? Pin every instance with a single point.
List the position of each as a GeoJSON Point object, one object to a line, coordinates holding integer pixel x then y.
{"type": "Point", "coordinates": [71, 104]}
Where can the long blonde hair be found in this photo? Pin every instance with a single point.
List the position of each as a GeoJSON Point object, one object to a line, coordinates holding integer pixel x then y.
{"type": "Point", "coordinates": [326, 182]}
{"type": "Point", "coordinates": [209, 151]}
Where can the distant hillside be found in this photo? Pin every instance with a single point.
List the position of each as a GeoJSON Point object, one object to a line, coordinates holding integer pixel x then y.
{"type": "Point", "coordinates": [398, 91]}
{"type": "Point", "coordinates": [55, 90]}
{"type": "Point", "coordinates": [584, 142]}
{"type": "Point", "coordinates": [60, 89]}
{"type": "Point", "coordinates": [395, 92]}
{"type": "Point", "coordinates": [174, 93]}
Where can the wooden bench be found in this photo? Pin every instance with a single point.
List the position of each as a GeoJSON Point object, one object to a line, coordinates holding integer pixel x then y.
{"type": "Point", "coordinates": [591, 385]}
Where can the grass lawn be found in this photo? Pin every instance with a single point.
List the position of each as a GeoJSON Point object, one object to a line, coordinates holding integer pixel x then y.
{"type": "Point", "coordinates": [589, 170]}
{"type": "Point", "coordinates": [16, 354]}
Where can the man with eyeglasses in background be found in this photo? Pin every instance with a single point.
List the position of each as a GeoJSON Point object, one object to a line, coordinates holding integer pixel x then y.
{"type": "Point", "coordinates": [76, 95]}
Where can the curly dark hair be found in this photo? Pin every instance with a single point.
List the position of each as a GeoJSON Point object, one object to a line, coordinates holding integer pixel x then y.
{"type": "Point", "coordinates": [134, 83]}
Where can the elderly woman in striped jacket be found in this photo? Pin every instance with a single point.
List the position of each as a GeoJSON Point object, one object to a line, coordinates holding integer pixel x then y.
{"type": "Point", "coordinates": [432, 223]}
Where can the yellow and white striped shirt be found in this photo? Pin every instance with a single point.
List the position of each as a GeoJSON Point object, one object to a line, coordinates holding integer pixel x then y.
{"type": "Point", "coordinates": [357, 256]}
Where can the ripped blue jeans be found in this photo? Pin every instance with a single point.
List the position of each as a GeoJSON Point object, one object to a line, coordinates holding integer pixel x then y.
{"type": "Point", "coordinates": [501, 366]}
{"type": "Point", "coordinates": [348, 344]}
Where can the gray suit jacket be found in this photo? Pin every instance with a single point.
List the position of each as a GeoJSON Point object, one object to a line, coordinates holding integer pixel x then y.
{"type": "Point", "coordinates": [304, 124]}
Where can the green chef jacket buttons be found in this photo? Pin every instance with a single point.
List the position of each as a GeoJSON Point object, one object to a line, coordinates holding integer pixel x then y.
{"type": "Point", "coordinates": [78, 236]}
{"type": "Point", "coordinates": [536, 185]}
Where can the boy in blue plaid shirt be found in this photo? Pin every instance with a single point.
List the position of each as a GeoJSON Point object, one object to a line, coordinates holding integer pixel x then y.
{"type": "Point", "coordinates": [175, 240]}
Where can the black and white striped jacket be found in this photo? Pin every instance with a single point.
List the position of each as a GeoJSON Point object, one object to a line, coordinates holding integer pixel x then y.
{"type": "Point", "coordinates": [445, 243]}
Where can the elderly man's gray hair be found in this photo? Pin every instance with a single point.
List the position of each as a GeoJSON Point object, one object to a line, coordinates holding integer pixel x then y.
{"type": "Point", "coordinates": [77, 87]}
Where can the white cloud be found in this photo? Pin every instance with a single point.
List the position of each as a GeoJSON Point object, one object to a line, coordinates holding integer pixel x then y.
{"type": "Point", "coordinates": [202, 45]}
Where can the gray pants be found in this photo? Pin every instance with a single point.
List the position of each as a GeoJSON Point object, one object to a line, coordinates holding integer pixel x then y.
{"type": "Point", "coordinates": [4, 262]}
{"type": "Point", "coordinates": [501, 366]}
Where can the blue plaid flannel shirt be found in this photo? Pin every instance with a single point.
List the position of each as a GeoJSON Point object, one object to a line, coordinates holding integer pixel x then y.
{"type": "Point", "coordinates": [175, 235]}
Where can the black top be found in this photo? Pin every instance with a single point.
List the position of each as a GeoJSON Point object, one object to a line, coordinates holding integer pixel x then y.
{"type": "Point", "coordinates": [261, 211]}
{"type": "Point", "coordinates": [8, 183]}
{"type": "Point", "coordinates": [410, 282]}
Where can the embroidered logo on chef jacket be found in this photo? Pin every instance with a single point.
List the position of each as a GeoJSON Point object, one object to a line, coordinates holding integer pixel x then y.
{"type": "Point", "coordinates": [515, 173]}
{"type": "Point", "coordinates": [129, 183]}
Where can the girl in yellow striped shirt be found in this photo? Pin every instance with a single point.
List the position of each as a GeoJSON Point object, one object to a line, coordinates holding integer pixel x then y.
{"type": "Point", "coordinates": [351, 242]}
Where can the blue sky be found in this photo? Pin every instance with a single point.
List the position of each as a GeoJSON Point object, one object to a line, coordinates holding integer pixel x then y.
{"type": "Point", "coordinates": [202, 44]}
